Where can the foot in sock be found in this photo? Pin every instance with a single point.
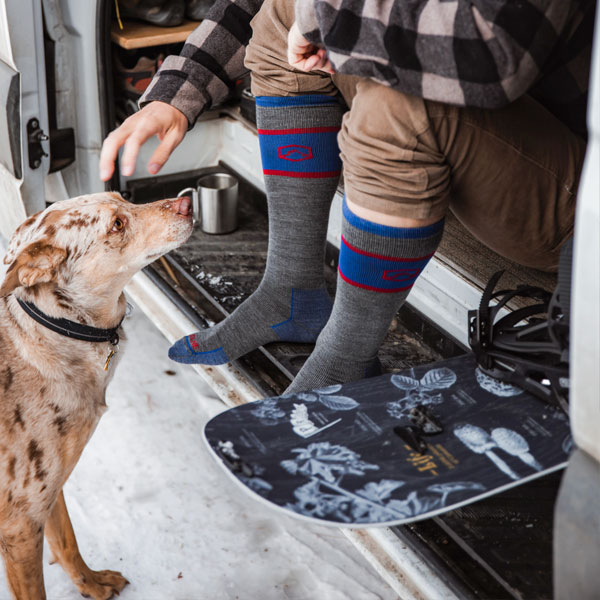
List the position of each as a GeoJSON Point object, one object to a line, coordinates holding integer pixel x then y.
{"type": "Point", "coordinates": [301, 166]}
{"type": "Point", "coordinates": [378, 265]}
{"type": "Point", "coordinates": [269, 315]}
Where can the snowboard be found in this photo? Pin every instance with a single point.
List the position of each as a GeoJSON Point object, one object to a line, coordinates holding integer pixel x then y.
{"type": "Point", "coordinates": [391, 449]}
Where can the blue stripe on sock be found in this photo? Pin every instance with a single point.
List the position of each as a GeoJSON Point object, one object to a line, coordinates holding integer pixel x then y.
{"type": "Point", "coordinates": [314, 152]}
{"type": "Point", "coordinates": [391, 232]}
{"type": "Point", "coordinates": [208, 357]}
{"type": "Point", "coordinates": [308, 100]}
{"type": "Point", "coordinates": [379, 273]}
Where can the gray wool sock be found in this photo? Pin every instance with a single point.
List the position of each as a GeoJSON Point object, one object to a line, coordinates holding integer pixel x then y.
{"type": "Point", "coordinates": [301, 164]}
{"type": "Point", "coordinates": [378, 266]}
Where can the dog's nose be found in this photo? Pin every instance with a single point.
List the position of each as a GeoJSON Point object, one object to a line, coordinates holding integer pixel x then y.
{"type": "Point", "coordinates": [182, 206]}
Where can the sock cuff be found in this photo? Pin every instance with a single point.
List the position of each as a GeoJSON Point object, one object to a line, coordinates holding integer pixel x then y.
{"type": "Point", "coordinates": [382, 258]}
{"type": "Point", "coordinates": [307, 100]}
{"type": "Point", "coordinates": [299, 139]}
{"type": "Point", "coordinates": [391, 232]}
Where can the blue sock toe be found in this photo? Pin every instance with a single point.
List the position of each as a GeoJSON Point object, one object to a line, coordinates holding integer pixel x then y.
{"type": "Point", "coordinates": [183, 351]}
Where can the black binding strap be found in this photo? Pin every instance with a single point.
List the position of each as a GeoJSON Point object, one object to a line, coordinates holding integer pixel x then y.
{"type": "Point", "coordinates": [71, 329]}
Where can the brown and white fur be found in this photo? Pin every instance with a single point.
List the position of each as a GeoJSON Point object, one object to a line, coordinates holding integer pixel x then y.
{"type": "Point", "coordinates": [71, 260]}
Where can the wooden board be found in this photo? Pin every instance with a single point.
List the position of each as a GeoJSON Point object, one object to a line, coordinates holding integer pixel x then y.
{"type": "Point", "coordinates": [136, 34]}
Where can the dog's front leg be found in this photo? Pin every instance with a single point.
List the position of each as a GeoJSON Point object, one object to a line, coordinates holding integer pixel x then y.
{"type": "Point", "coordinates": [99, 585]}
{"type": "Point", "coordinates": [21, 547]}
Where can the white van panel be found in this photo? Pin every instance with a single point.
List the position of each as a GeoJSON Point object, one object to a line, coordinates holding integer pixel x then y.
{"type": "Point", "coordinates": [21, 45]}
{"type": "Point", "coordinates": [585, 317]}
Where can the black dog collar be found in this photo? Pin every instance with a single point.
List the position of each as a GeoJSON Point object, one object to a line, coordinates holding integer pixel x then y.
{"type": "Point", "coordinates": [69, 328]}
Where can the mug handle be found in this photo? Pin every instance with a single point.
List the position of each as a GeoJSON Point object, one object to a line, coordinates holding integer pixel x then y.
{"type": "Point", "coordinates": [195, 203]}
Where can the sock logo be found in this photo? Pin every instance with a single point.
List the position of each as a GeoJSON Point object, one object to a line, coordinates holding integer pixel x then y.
{"type": "Point", "coordinates": [193, 343]}
{"type": "Point", "coordinates": [400, 275]}
{"type": "Point", "coordinates": [295, 152]}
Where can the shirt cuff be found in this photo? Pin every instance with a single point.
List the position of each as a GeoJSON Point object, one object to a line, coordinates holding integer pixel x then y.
{"type": "Point", "coordinates": [170, 85]}
{"type": "Point", "coordinates": [306, 19]}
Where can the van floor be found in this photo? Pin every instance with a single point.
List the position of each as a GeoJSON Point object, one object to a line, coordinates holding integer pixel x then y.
{"type": "Point", "coordinates": [500, 547]}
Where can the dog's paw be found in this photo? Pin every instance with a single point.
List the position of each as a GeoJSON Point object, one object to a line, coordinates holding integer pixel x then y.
{"type": "Point", "coordinates": [101, 585]}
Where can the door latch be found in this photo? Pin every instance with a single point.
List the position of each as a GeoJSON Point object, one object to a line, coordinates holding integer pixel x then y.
{"type": "Point", "coordinates": [35, 137]}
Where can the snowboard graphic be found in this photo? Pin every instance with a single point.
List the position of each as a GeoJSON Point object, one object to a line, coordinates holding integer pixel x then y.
{"type": "Point", "coordinates": [391, 449]}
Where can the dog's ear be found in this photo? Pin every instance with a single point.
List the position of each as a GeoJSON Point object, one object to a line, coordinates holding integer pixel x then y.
{"type": "Point", "coordinates": [37, 263]}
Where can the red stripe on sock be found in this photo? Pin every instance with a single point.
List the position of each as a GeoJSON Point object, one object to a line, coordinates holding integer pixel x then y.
{"type": "Point", "coordinates": [322, 175]}
{"type": "Point", "coordinates": [371, 288]}
{"type": "Point", "coordinates": [381, 256]}
{"type": "Point", "coordinates": [298, 130]}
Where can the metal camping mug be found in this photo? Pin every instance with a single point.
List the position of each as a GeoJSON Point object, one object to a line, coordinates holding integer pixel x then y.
{"type": "Point", "coordinates": [214, 202]}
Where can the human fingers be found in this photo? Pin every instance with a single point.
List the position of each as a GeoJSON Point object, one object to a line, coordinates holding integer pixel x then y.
{"type": "Point", "coordinates": [160, 156]}
{"type": "Point", "coordinates": [299, 48]}
{"type": "Point", "coordinates": [110, 150]}
{"type": "Point", "coordinates": [132, 148]}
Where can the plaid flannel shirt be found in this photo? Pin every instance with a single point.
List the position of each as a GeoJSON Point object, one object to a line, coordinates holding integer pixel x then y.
{"type": "Point", "coordinates": [483, 53]}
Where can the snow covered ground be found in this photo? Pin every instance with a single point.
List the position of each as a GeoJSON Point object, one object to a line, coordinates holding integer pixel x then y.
{"type": "Point", "coordinates": [147, 499]}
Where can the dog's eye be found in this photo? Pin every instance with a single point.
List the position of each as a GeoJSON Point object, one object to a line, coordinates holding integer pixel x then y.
{"type": "Point", "coordinates": [118, 225]}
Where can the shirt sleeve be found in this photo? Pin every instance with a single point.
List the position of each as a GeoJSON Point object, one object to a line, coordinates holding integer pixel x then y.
{"type": "Point", "coordinates": [482, 53]}
{"type": "Point", "coordinates": [211, 61]}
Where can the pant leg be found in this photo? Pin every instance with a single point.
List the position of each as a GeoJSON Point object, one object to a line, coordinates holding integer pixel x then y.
{"type": "Point", "coordinates": [266, 56]}
{"type": "Point", "coordinates": [387, 167]}
{"type": "Point", "coordinates": [509, 175]}
{"type": "Point", "coordinates": [515, 173]}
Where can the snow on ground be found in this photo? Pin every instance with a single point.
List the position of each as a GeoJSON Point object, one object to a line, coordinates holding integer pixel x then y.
{"type": "Point", "coordinates": [147, 499]}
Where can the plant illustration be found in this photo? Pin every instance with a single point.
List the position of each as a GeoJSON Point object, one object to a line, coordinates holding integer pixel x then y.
{"type": "Point", "coordinates": [373, 503]}
{"type": "Point", "coordinates": [267, 411]}
{"type": "Point", "coordinates": [326, 461]}
{"type": "Point", "coordinates": [418, 391]}
{"type": "Point", "coordinates": [327, 398]}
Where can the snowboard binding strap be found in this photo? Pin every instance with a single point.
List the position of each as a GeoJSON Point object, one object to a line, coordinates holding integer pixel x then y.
{"type": "Point", "coordinates": [523, 347]}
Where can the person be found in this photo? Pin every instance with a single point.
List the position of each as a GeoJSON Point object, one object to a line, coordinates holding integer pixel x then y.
{"type": "Point", "coordinates": [475, 107]}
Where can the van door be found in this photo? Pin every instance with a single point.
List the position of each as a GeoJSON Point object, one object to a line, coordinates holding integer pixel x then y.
{"type": "Point", "coordinates": [23, 112]}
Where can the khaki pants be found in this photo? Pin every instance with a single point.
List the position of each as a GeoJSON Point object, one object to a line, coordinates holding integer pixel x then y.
{"type": "Point", "coordinates": [509, 175]}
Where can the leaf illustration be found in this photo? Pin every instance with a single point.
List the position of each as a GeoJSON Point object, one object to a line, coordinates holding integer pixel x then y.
{"type": "Point", "coordinates": [438, 378]}
{"type": "Point", "coordinates": [338, 402]}
{"type": "Point", "coordinates": [495, 386]}
{"type": "Point", "coordinates": [312, 501]}
{"type": "Point", "coordinates": [256, 484]}
{"type": "Point", "coordinates": [291, 466]}
{"type": "Point", "coordinates": [404, 383]}
{"type": "Point", "coordinates": [324, 459]}
{"type": "Point", "coordinates": [330, 389]}
{"type": "Point", "coordinates": [454, 486]}
{"type": "Point", "coordinates": [318, 468]}
{"type": "Point", "coordinates": [307, 397]}
{"type": "Point", "coordinates": [378, 492]}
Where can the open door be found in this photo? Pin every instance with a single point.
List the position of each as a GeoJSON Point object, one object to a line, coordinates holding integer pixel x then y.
{"type": "Point", "coordinates": [23, 112]}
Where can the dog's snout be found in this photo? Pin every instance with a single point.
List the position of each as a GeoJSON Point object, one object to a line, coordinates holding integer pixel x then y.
{"type": "Point", "coordinates": [182, 206]}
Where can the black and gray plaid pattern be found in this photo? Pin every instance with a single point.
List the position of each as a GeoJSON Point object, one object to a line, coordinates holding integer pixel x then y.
{"type": "Point", "coordinates": [465, 52]}
{"type": "Point", "coordinates": [211, 61]}
{"type": "Point", "coordinates": [482, 53]}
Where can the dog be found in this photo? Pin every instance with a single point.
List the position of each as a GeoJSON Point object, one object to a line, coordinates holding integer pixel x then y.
{"type": "Point", "coordinates": [68, 266]}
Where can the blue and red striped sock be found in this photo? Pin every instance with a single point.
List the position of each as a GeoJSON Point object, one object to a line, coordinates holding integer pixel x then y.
{"type": "Point", "coordinates": [299, 148]}
{"type": "Point", "coordinates": [378, 265]}
{"type": "Point", "coordinates": [300, 155]}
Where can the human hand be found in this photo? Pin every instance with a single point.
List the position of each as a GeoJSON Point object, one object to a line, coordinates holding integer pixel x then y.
{"type": "Point", "coordinates": [305, 56]}
{"type": "Point", "coordinates": [157, 118]}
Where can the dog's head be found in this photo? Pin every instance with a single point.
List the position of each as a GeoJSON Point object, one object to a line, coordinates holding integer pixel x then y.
{"type": "Point", "coordinates": [94, 243]}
